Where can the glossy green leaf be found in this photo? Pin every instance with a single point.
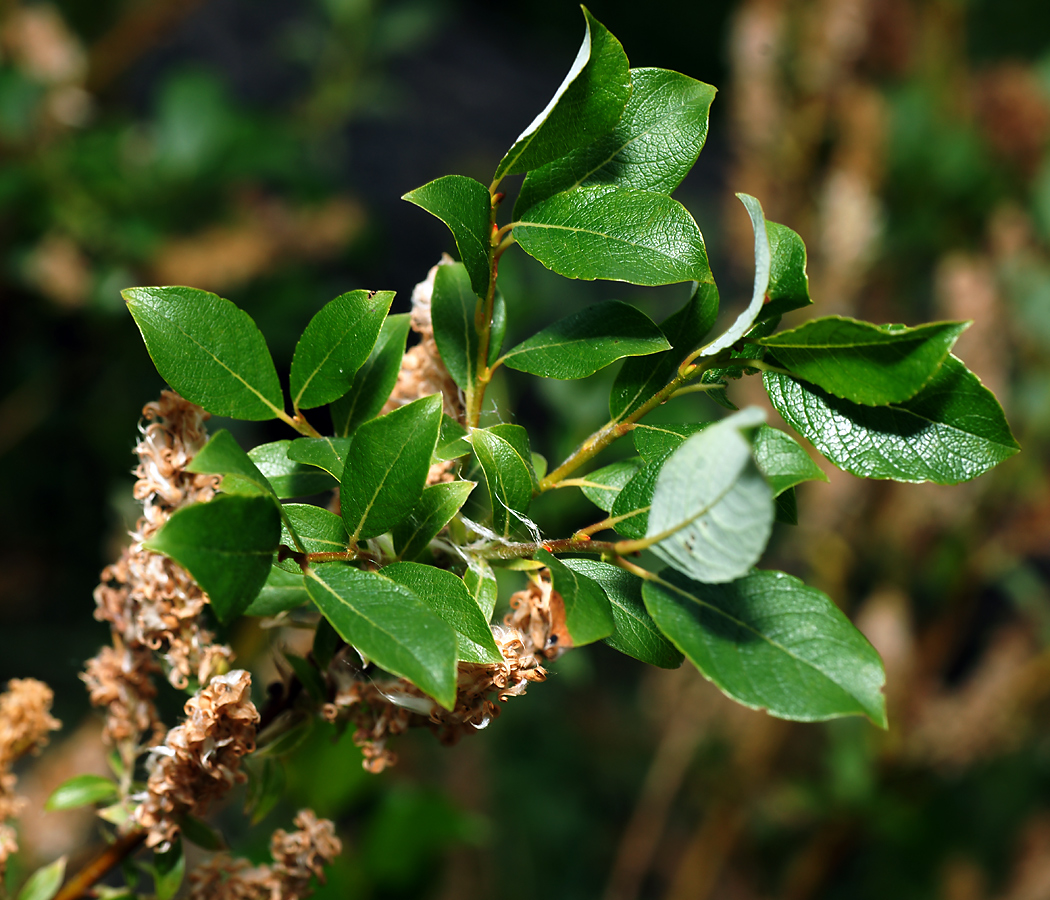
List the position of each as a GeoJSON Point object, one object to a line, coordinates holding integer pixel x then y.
{"type": "Point", "coordinates": [617, 234]}
{"type": "Point", "coordinates": [374, 380]}
{"type": "Point", "coordinates": [588, 615]}
{"type": "Point", "coordinates": [770, 642]}
{"type": "Point", "coordinates": [318, 530]}
{"type": "Point", "coordinates": [465, 206]}
{"type": "Point", "coordinates": [222, 455]}
{"type": "Point", "coordinates": [327, 453]}
{"type": "Point", "coordinates": [591, 339]}
{"type": "Point", "coordinates": [951, 431]}
{"type": "Point", "coordinates": [386, 467]}
{"type": "Point", "coordinates": [507, 477]}
{"type": "Point", "coordinates": [763, 263]}
{"type": "Point", "coordinates": [711, 506]}
{"type": "Point", "coordinates": [334, 345]}
{"type": "Point", "coordinates": [226, 544]}
{"type": "Point", "coordinates": [80, 791]}
{"type": "Point", "coordinates": [780, 458]}
{"type": "Point", "coordinates": [603, 485]}
{"type": "Point", "coordinates": [588, 103]}
{"type": "Point", "coordinates": [437, 505]}
{"type": "Point", "coordinates": [869, 364]}
{"type": "Point", "coordinates": [642, 377]}
{"type": "Point", "coordinates": [787, 507]}
{"type": "Point", "coordinates": [390, 625]}
{"type": "Point", "coordinates": [287, 477]}
{"type": "Point", "coordinates": [169, 867]}
{"type": "Point", "coordinates": [788, 287]}
{"type": "Point", "coordinates": [208, 350]}
{"type": "Point", "coordinates": [452, 441]}
{"type": "Point", "coordinates": [652, 147]}
{"type": "Point", "coordinates": [44, 883]}
{"type": "Point", "coordinates": [452, 311]}
{"type": "Point", "coordinates": [484, 589]}
{"type": "Point", "coordinates": [448, 597]}
{"type": "Point", "coordinates": [282, 591]}
{"type": "Point", "coordinates": [657, 442]}
{"type": "Point", "coordinates": [631, 506]}
{"type": "Point", "coordinates": [635, 631]}
{"type": "Point", "coordinates": [518, 437]}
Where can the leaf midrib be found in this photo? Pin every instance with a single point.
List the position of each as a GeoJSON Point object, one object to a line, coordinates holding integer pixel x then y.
{"type": "Point", "coordinates": [236, 375]}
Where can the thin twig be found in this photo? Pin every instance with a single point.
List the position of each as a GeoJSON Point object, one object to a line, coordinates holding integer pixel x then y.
{"type": "Point", "coordinates": [110, 857]}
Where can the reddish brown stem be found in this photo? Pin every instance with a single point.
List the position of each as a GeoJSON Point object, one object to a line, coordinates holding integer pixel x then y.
{"type": "Point", "coordinates": [107, 859]}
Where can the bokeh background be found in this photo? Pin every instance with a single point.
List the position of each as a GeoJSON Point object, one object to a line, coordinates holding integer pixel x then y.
{"type": "Point", "coordinates": [258, 148]}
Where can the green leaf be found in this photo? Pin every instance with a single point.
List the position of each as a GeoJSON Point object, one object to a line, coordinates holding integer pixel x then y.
{"type": "Point", "coordinates": [309, 677]}
{"type": "Point", "coordinates": [588, 103]}
{"type": "Point", "coordinates": [784, 463]}
{"type": "Point", "coordinates": [507, 476]}
{"type": "Point", "coordinates": [169, 867]}
{"type": "Point", "coordinates": [319, 531]}
{"type": "Point", "coordinates": [652, 148]}
{"type": "Point", "coordinates": [374, 380]}
{"type": "Point", "coordinates": [498, 329]}
{"type": "Point", "coordinates": [44, 883]}
{"type": "Point", "coordinates": [437, 505]}
{"type": "Point", "coordinates": [763, 262]}
{"type": "Point", "coordinates": [334, 345]}
{"type": "Point", "coordinates": [452, 441]}
{"type": "Point", "coordinates": [951, 431]}
{"type": "Point", "coordinates": [635, 631]}
{"type": "Point", "coordinates": [617, 234]}
{"type": "Point", "coordinates": [581, 344]}
{"type": "Point", "coordinates": [222, 455]}
{"type": "Point", "coordinates": [518, 437]}
{"type": "Point", "coordinates": [328, 453]}
{"type": "Point", "coordinates": [266, 784]}
{"type": "Point", "coordinates": [386, 467]}
{"type": "Point", "coordinates": [712, 510]}
{"type": "Point", "coordinates": [201, 833]}
{"type": "Point", "coordinates": [787, 507]}
{"type": "Point", "coordinates": [788, 287]}
{"type": "Point", "coordinates": [452, 308]}
{"type": "Point", "coordinates": [770, 642]}
{"type": "Point", "coordinates": [657, 442]}
{"type": "Point", "coordinates": [80, 791]}
{"type": "Point", "coordinates": [869, 364]}
{"type": "Point", "coordinates": [208, 350]}
{"type": "Point", "coordinates": [481, 582]}
{"type": "Point", "coordinates": [390, 625]}
{"type": "Point", "coordinates": [283, 590]}
{"type": "Point", "coordinates": [642, 377]}
{"type": "Point", "coordinates": [287, 477]}
{"type": "Point", "coordinates": [588, 615]}
{"type": "Point", "coordinates": [326, 643]}
{"type": "Point", "coordinates": [447, 596]}
{"type": "Point", "coordinates": [226, 544]}
{"type": "Point", "coordinates": [631, 506]}
{"type": "Point", "coordinates": [465, 206]}
{"type": "Point", "coordinates": [603, 485]}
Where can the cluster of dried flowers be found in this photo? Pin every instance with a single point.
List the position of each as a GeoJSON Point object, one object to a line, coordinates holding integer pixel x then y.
{"type": "Point", "coordinates": [25, 720]}
{"type": "Point", "coordinates": [200, 759]}
{"type": "Point", "coordinates": [152, 604]}
{"type": "Point", "coordinates": [296, 857]}
{"type": "Point", "coordinates": [531, 634]}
